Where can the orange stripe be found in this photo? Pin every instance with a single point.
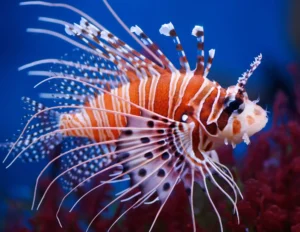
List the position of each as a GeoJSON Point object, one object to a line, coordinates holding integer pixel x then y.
{"type": "Point", "coordinates": [162, 94]}
{"type": "Point", "coordinates": [206, 110]}
{"type": "Point", "coordinates": [192, 88]}
{"type": "Point", "coordinates": [219, 105]}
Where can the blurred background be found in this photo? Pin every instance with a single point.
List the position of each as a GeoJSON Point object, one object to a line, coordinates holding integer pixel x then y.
{"type": "Point", "coordinates": [238, 30]}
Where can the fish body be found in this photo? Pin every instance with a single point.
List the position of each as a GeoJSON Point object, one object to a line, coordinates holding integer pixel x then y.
{"type": "Point", "coordinates": [202, 102]}
{"type": "Point", "coordinates": [152, 94]}
{"type": "Point", "coordinates": [142, 119]}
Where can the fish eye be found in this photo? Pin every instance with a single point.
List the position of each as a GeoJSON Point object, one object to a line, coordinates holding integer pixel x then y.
{"type": "Point", "coordinates": [184, 118]}
{"type": "Point", "coordinates": [234, 105]}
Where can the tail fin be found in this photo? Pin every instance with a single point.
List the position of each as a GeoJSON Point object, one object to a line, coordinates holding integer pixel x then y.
{"type": "Point", "coordinates": [40, 136]}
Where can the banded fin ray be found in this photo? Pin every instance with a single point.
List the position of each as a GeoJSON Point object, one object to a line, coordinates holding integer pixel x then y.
{"type": "Point", "coordinates": [80, 66]}
{"type": "Point", "coordinates": [169, 30]}
{"type": "Point", "coordinates": [154, 48]}
{"type": "Point", "coordinates": [133, 151]}
{"type": "Point", "coordinates": [173, 140]}
{"type": "Point", "coordinates": [144, 199]}
{"type": "Point", "coordinates": [118, 158]}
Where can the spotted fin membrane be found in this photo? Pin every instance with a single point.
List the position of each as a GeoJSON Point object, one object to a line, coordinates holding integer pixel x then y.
{"type": "Point", "coordinates": [28, 148]}
{"type": "Point", "coordinates": [80, 174]}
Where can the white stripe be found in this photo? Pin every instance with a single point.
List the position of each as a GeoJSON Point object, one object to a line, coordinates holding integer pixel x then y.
{"type": "Point", "coordinates": [142, 88]}
{"type": "Point", "coordinates": [97, 116]}
{"type": "Point", "coordinates": [209, 121]}
{"type": "Point", "coordinates": [200, 146]}
{"type": "Point", "coordinates": [129, 198]}
{"type": "Point", "coordinates": [75, 124]}
{"type": "Point", "coordinates": [115, 181]}
{"type": "Point", "coordinates": [105, 118]}
{"type": "Point", "coordinates": [172, 89]}
{"type": "Point", "coordinates": [116, 107]}
{"type": "Point", "coordinates": [153, 86]}
{"type": "Point", "coordinates": [204, 84]}
{"type": "Point", "coordinates": [198, 112]}
{"type": "Point", "coordinates": [87, 122]}
{"type": "Point", "coordinates": [186, 79]}
{"type": "Point", "coordinates": [123, 90]}
{"type": "Point", "coordinates": [151, 202]}
{"type": "Point", "coordinates": [127, 86]}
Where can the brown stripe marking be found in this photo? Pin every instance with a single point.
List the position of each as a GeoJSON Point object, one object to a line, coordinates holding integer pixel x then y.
{"type": "Point", "coordinates": [201, 95]}
{"type": "Point", "coordinates": [209, 146]}
{"type": "Point", "coordinates": [236, 127]}
{"type": "Point", "coordinates": [206, 110]}
{"type": "Point", "coordinates": [176, 95]}
{"type": "Point", "coordinates": [219, 105]}
{"type": "Point", "coordinates": [134, 96]}
{"type": "Point", "coordinates": [205, 137]}
{"type": "Point", "coordinates": [250, 120]}
{"type": "Point", "coordinates": [257, 112]}
{"type": "Point", "coordinates": [179, 47]}
{"type": "Point", "coordinates": [173, 33]}
{"type": "Point", "coordinates": [147, 92]}
{"type": "Point", "coordinates": [223, 120]}
{"type": "Point", "coordinates": [192, 88]}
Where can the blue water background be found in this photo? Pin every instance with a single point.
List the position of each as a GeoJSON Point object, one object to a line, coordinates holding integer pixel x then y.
{"type": "Point", "coordinates": [238, 30]}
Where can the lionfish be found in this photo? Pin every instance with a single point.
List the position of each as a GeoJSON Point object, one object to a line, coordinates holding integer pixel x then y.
{"type": "Point", "coordinates": [136, 116]}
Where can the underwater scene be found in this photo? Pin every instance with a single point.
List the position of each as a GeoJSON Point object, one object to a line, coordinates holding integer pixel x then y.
{"type": "Point", "coordinates": [160, 115]}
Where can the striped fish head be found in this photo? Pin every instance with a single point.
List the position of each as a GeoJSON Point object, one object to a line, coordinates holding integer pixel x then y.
{"type": "Point", "coordinates": [245, 117]}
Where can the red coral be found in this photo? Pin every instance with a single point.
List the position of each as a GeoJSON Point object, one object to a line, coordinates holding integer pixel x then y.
{"type": "Point", "coordinates": [272, 219]}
